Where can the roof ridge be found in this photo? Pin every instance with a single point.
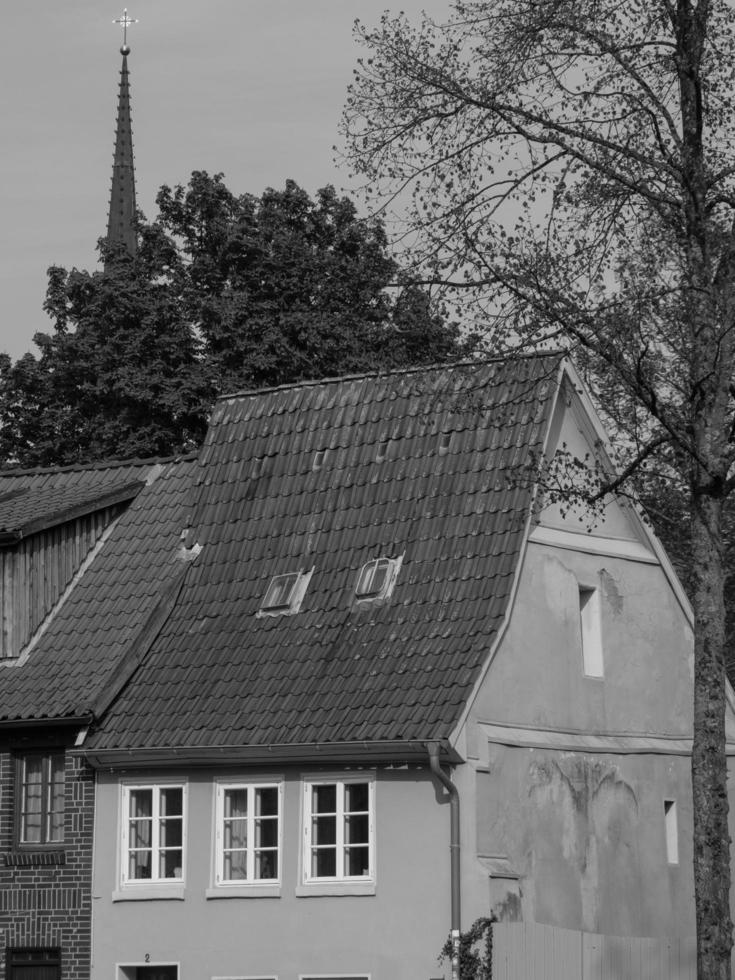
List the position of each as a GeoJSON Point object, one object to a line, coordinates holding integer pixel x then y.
{"type": "Point", "coordinates": [105, 464]}
{"type": "Point", "coordinates": [392, 372]}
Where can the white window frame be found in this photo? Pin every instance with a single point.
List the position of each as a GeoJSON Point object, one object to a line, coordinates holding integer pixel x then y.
{"type": "Point", "coordinates": [394, 566]}
{"type": "Point", "coordinates": [295, 596]}
{"type": "Point", "coordinates": [340, 782]}
{"type": "Point", "coordinates": [156, 786]}
{"type": "Point", "coordinates": [219, 851]}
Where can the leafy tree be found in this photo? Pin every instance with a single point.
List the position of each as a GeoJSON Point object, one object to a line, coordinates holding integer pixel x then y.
{"type": "Point", "coordinates": [225, 293]}
{"type": "Point", "coordinates": [119, 376]}
{"type": "Point", "coordinates": [285, 288]}
{"type": "Point", "coordinates": [573, 170]}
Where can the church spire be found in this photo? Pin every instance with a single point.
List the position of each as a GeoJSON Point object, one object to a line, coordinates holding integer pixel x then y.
{"type": "Point", "coordinates": [121, 219]}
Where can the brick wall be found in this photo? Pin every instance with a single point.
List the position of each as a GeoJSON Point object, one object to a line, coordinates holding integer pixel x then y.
{"type": "Point", "coordinates": [45, 897]}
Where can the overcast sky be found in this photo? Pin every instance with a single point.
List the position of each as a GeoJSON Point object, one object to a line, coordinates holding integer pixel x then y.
{"type": "Point", "coordinates": [252, 88]}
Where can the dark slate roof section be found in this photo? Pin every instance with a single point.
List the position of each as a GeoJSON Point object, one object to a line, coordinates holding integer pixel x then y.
{"type": "Point", "coordinates": [28, 510]}
{"type": "Point", "coordinates": [77, 657]}
{"type": "Point", "coordinates": [217, 675]}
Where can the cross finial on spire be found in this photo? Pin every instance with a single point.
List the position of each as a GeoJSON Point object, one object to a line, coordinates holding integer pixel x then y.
{"type": "Point", "coordinates": [124, 21]}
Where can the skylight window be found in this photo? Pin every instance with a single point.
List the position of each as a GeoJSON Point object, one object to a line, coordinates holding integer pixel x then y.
{"type": "Point", "coordinates": [377, 578]}
{"type": "Point", "coordinates": [285, 594]}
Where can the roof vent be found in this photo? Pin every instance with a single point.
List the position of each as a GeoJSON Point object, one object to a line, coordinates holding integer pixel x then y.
{"type": "Point", "coordinates": [319, 457]}
{"type": "Point", "coordinates": [445, 442]}
{"type": "Point", "coordinates": [382, 450]}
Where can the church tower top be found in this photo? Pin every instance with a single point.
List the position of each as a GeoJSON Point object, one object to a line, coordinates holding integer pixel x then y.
{"type": "Point", "coordinates": [121, 217]}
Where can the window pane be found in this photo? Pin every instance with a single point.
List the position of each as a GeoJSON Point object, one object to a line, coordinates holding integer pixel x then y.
{"type": "Point", "coordinates": [171, 833]}
{"type": "Point", "coordinates": [266, 864]}
{"type": "Point", "coordinates": [140, 833]}
{"type": "Point", "coordinates": [141, 802]}
{"type": "Point", "coordinates": [266, 802]}
{"type": "Point", "coordinates": [31, 828]}
{"type": "Point", "coordinates": [172, 802]}
{"type": "Point", "coordinates": [324, 863]}
{"type": "Point", "coordinates": [356, 797]}
{"type": "Point", "coordinates": [357, 830]}
{"type": "Point", "coordinates": [170, 864]}
{"type": "Point", "coordinates": [280, 590]}
{"type": "Point", "coordinates": [324, 798]}
{"type": "Point", "coordinates": [56, 827]}
{"type": "Point", "coordinates": [324, 830]}
{"type": "Point", "coordinates": [139, 865]}
{"type": "Point", "coordinates": [236, 833]}
{"type": "Point", "coordinates": [266, 833]}
{"type": "Point", "coordinates": [357, 861]}
{"type": "Point", "coordinates": [236, 803]}
{"type": "Point", "coordinates": [235, 866]}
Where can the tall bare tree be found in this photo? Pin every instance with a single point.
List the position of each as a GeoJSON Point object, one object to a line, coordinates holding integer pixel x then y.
{"type": "Point", "coordinates": [569, 165]}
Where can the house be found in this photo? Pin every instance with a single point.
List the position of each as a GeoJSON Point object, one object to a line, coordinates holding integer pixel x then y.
{"type": "Point", "coordinates": [55, 526]}
{"type": "Point", "coordinates": [348, 681]}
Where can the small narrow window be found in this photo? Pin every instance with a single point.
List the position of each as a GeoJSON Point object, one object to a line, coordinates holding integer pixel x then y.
{"type": "Point", "coordinates": [590, 631]}
{"type": "Point", "coordinates": [319, 457]}
{"type": "Point", "coordinates": [672, 832]}
{"type": "Point", "coordinates": [377, 578]}
{"type": "Point", "coordinates": [285, 593]}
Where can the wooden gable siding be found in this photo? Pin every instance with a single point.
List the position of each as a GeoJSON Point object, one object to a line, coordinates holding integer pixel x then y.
{"type": "Point", "coordinates": [35, 573]}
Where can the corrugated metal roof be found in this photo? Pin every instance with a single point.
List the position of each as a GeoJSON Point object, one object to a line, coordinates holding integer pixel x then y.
{"type": "Point", "coordinates": [336, 672]}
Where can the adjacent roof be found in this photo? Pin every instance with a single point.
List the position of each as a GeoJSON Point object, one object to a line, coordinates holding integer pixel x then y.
{"type": "Point", "coordinates": [212, 673]}
{"type": "Point", "coordinates": [34, 504]}
{"type": "Point", "coordinates": [78, 653]}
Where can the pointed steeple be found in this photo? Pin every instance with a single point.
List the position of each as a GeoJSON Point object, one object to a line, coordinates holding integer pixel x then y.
{"type": "Point", "coordinates": [121, 218]}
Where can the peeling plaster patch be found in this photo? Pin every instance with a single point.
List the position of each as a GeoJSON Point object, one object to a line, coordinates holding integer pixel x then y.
{"type": "Point", "coordinates": [509, 909]}
{"type": "Point", "coordinates": [612, 593]}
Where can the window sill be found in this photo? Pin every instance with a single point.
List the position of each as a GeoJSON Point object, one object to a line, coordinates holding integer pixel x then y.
{"type": "Point", "coordinates": [243, 891]}
{"type": "Point", "coordinates": [150, 893]}
{"type": "Point", "coordinates": [34, 858]}
{"type": "Point", "coordinates": [335, 888]}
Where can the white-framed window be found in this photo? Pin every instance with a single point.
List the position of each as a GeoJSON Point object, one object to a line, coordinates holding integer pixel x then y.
{"type": "Point", "coordinates": [248, 833]}
{"type": "Point", "coordinates": [590, 631]}
{"type": "Point", "coordinates": [153, 833]}
{"type": "Point", "coordinates": [285, 593]}
{"type": "Point", "coordinates": [376, 578]}
{"type": "Point", "coordinates": [339, 829]}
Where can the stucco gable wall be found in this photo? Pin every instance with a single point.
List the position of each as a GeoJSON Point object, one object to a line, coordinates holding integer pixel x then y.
{"type": "Point", "coordinates": [537, 677]}
{"type": "Point", "coordinates": [581, 822]}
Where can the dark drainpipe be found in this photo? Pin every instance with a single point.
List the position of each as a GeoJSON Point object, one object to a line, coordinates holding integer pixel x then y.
{"type": "Point", "coordinates": [433, 748]}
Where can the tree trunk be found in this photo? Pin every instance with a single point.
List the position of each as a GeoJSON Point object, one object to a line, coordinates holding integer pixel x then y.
{"type": "Point", "coordinates": [709, 761]}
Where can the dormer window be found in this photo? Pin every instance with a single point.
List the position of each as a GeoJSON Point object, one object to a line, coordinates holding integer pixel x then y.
{"type": "Point", "coordinates": [376, 578]}
{"type": "Point", "coordinates": [285, 593]}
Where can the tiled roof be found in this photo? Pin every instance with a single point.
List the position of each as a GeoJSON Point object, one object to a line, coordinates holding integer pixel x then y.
{"type": "Point", "coordinates": [216, 674]}
{"type": "Point", "coordinates": [78, 654]}
{"type": "Point", "coordinates": [26, 509]}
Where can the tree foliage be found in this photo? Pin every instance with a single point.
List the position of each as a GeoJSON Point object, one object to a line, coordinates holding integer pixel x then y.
{"type": "Point", "coordinates": [571, 170]}
{"type": "Point", "coordinates": [225, 293]}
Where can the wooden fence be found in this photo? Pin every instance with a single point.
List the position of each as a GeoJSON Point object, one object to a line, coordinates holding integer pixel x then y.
{"type": "Point", "coordinates": [528, 951]}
